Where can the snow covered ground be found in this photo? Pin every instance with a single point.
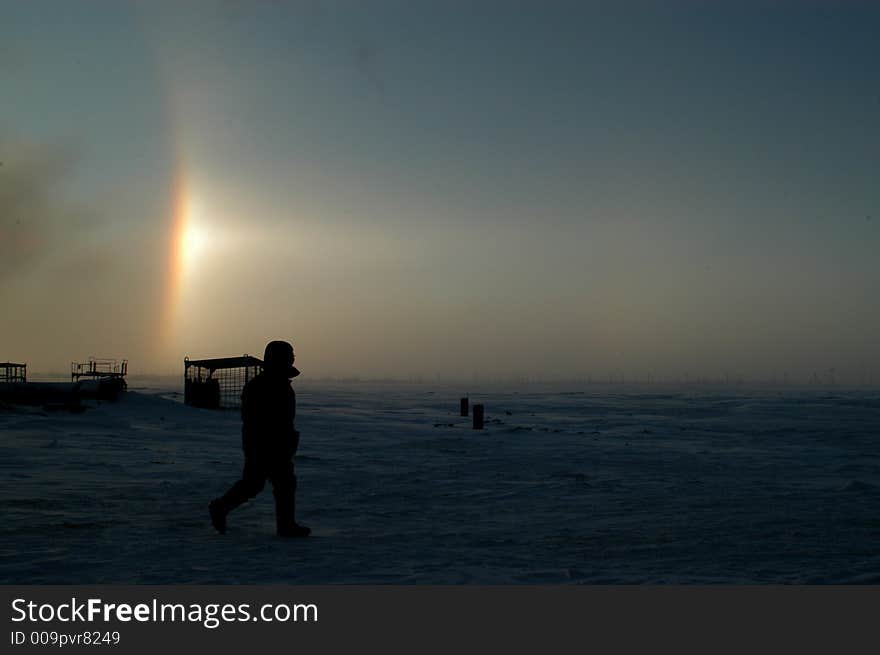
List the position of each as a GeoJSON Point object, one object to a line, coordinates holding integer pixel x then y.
{"type": "Point", "coordinates": [599, 486]}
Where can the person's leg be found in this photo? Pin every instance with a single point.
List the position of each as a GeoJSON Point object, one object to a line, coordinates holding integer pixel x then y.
{"type": "Point", "coordinates": [284, 489]}
{"type": "Point", "coordinates": [252, 481]}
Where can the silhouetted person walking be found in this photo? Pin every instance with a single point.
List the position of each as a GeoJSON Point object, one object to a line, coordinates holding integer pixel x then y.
{"type": "Point", "coordinates": [269, 441]}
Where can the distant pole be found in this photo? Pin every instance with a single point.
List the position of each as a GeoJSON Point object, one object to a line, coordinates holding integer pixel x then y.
{"type": "Point", "coordinates": [478, 417]}
{"type": "Point", "coordinates": [464, 406]}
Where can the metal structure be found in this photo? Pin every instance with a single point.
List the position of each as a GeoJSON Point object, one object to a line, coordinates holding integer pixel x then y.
{"type": "Point", "coordinates": [478, 416]}
{"type": "Point", "coordinates": [12, 372]}
{"type": "Point", "coordinates": [217, 383]}
{"type": "Point", "coordinates": [99, 368]}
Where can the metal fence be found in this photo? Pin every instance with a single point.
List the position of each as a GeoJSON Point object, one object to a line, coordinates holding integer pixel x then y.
{"type": "Point", "coordinates": [12, 372]}
{"type": "Point", "coordinates": [98, 368]}
{"type": "Point", "coordinates": [217, 383]}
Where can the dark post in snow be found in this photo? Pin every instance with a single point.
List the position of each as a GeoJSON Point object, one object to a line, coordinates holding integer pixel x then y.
{"type": "Point", "coordinates": [464, 406]}
{"type": "Point", "coordinates": [478, 417]}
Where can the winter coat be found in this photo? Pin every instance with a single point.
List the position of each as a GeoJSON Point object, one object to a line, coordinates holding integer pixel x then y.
{"type": "Point", "coordinates": [268, 410]}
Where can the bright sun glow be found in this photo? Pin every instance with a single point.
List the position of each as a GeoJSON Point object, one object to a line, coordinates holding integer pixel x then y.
{"type": "Point", "coordinates": [193, 239]}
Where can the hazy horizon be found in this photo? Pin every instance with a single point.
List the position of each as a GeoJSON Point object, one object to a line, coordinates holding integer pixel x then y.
{"type": "Point", "coordinates": [444, 190]}
{"type": "Point", "coordinates": [460, 385]}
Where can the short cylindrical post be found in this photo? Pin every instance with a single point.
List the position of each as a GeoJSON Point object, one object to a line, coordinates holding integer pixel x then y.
{"type": "Point", "coordinates": [464, 406]}
{"type": "Point", "coordinates": [478, 417]}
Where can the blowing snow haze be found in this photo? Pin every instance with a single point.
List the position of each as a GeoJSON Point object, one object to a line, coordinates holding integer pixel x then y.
{"type": "Point", "coordinates": [501, 189]}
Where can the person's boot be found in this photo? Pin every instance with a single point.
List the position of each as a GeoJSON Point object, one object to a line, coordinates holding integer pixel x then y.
{"type": "Point", "coordinates": [293, 529]}
{"type": "Point", "coordinates": [238, 494]}
{"type": "Point", "coordinates": [218, 516]}
{"type": "Point", "coordinates": [285, 510]}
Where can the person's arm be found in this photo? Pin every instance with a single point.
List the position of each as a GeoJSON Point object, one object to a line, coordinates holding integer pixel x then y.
{"type": "Point", "coordinates": [294, 433]}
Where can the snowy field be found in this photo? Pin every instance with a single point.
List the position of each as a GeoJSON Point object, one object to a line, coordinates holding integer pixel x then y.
{"type": "Point", "coordinates": [596, 486]}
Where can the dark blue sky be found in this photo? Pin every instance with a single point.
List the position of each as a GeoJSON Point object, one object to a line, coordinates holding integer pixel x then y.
{"type": "Point", "coordinates": [510, 188]}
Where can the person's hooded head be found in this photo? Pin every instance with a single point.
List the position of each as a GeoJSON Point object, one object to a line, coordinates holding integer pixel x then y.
{"type": "Point", "coordinates": [278, 360]}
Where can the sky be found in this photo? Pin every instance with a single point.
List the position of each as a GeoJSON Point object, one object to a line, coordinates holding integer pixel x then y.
{"type": "Point", "coordinates": [543, 190]}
